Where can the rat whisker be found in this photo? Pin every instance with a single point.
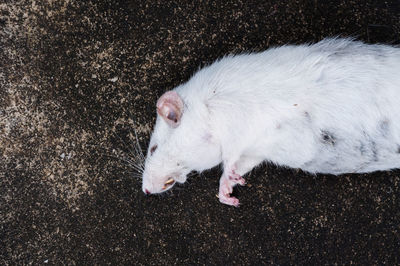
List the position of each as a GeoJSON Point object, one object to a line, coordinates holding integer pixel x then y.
{"type": "Point", "coordinates": [127, 162]}
{"type": "Point", "coordinates": [137, 175]}
{"type": "Point", "coordinates": [138, 145]}
{"type": "Point", "coordinates": [133, 167]}
{"type": "Point", "coordinates": [137, 148]}
{"type": "Point", "coordinates": [134, 163]}
{"type": "Point", "coordinates": [134, 173]}
{"type": "Point", "coordinates": [138, 164]}
{"type": "Point", "coordinates": [129, 147]}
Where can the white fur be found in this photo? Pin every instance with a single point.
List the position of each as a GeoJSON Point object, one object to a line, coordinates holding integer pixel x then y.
{"type": "Point", "coordinates": [331, 107]}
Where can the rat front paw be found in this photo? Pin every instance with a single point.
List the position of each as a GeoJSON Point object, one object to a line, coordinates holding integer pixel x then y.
{"type": "Point", "coordinates": [225, 189]}
{"type": "Point", "coordinates": [227, 199]}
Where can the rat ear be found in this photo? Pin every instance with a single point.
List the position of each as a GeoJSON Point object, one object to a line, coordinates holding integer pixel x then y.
{"type": "Point", "coordinates": [170, 108]}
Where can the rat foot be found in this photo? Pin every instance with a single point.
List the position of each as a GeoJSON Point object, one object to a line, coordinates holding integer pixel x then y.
{"type": "Point", "coordinates": [225, 189]}
{"type": "Point", "coordinates": [228, 180]}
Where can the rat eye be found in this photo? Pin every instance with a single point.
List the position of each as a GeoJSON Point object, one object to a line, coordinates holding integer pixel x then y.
{"type": "Point", "coordinates": [153, 149]}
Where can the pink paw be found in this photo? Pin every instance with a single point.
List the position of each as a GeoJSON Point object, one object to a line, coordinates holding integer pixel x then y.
{"type": "Point", "coordinates": [226, 199]}
{"type": "Point", "coordinates": [225, 189]}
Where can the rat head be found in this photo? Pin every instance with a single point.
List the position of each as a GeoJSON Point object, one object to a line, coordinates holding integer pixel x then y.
{"type": "Point", "coordinates": [181, 142]}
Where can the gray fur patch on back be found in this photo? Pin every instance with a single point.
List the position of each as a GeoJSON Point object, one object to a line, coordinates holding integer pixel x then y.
{"type": "Point", "coordinates": [374, 150]}
{"type": "Point", "coordinates": [327, 137]}
{"type": "Point", "coordinates": [384, 128]}
{"type": "Point", "coordinates": [362, 148]}
{"type": "Point", "coordinates": [307, 116]}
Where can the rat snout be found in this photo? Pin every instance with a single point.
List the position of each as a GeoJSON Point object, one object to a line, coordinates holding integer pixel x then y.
{"type": "Point", "coordinates": [147, 186]}
{"type": "Point", "coordinates": [153, 186]}
{"type": "Point", "coordinates": [146, 189]}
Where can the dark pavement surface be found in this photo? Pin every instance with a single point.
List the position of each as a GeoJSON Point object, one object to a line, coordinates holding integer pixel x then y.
{"type": "Point", "coordinates": [77, 78]}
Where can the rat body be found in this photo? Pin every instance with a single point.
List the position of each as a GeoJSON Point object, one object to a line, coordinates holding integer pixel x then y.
{"type": "Point", "coordinates": [330, 107]}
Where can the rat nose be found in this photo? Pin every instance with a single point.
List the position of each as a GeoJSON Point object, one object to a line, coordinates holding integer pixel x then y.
{"type": "Point", "coordinates": [146, 191]}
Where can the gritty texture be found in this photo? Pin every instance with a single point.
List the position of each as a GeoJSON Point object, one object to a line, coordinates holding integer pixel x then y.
{"type": "Point", "coordinates": [79, 78]}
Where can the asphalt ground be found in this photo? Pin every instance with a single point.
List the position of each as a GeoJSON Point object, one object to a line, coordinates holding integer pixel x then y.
{"type": "Point", "coordinates": [79, 78]}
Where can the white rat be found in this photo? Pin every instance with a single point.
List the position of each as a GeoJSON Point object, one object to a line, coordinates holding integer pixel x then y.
{"type": "Point", "coordinates": [330, 107]}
